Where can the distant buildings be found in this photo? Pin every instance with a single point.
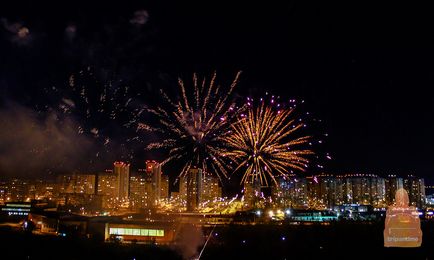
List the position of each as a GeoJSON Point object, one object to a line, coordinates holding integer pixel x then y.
{"type": "Point", "coordinates": [164, 188]}
{"type": "Point", "coordinates": [429, 191]}
{"type": "Point", "coordinates": [416, 191]}
{"type": "Point", "coordinates": [77, 183]}
{"type": "Point", "coordinates": [326, 191]}
{"type": "Point", "coordinates": [291, 192]}
{"type": "Point", "coordinates": [139, 193]}
{"type": "Point", "coordinates": [107, 183]}
{"type": "Point", "coordinates": [252, 192]}
{"type": "Point", "coordinates": [153, 177]}
{"type": "Point", "coordinates": [322, 190]}
{"type": "Point", "coordinates": [17, 190]}
{"type": "Point", "coordinates": [3, 192]}
{"type": "Point", "coordinates": [182, 194]}
{"type": "Point", "coordinates": [363, 189]}
{"type": "Point", "coordinates": [392, 184]}
{"type": "Point", "coordinates": [211, 189]}
{"type": "Point", "coordinates": [22, 190]}
{"type": "Point", "coordinates": [194, 188]}
{"type": "Point", "coordinates": [122, 172]}
{"type": "Point", "coordinates": [199, 191]}
{"type": "Point", "coordinates": [107, 189]}
{"type": "Point", "coordinates": [415, 187]}
{"type": "Point", "coordinates": [40, 190]}
{"type": "Point", "coordinates": [76, 189]}
{"type": "Point", "coordinates": [148, 187]}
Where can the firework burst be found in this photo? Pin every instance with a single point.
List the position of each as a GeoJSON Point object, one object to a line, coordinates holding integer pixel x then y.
{"type": "Point", "coordinates": [264, 142]}
{"type": "Point", "coordinates": [191, 126]}
{"type": "Point", "coordinates": [105, 112]}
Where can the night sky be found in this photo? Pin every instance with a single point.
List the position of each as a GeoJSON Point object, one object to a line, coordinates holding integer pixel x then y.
{"type": "Point", "coordinates": [366, 70]}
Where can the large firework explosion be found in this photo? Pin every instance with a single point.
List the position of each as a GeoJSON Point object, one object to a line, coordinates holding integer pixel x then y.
{"type": "Point", "coordinates": [191, 125]}
{"type": "Point", "coordinates": [265, 142]}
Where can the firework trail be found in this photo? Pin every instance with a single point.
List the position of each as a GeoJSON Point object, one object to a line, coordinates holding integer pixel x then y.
{"type": "Point", "coordinates": [264, 142]}
{"type": "Point", "coordinates": [191, 125]}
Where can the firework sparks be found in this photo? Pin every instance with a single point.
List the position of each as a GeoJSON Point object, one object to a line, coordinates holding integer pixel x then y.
{"type": "Point", "coordinates": [191, 126]}
{"type": "Point", "coordinates": [262, 142]}
{"type": "Point", "coordinates": [105, 109]}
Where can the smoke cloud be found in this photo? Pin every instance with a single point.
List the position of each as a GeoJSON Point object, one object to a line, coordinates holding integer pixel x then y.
{"type": "Point", "coordinates": [188, 240]}
{"type": "Point", "coordinates": [35, 144]}
{"type": "Point", "coordinates": [19, 33]}
{"type": "Point", "coordinates": [140, 17]}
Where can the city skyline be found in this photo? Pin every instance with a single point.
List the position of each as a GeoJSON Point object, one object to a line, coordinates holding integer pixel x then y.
{"type": "Point", "coordinates": [147, 186]}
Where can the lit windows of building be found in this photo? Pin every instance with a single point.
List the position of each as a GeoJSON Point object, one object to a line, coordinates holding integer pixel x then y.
{"type": "Point", "coordinates": [251, 193]}
{"type": "Point", "coordinates": [164, 188]}
{"type": "Point", "coordinates": [211, 190]}
{"type": "Point", "coordinates": [137, 232]}
{"type": "Point", "coordinates": [139, 193]}
{"type": "Point", "coordinates": [392, 183]}
{"type": "Point", "coordinates": [362, 189]}
{"type": "Point", "coordinates": [153, 169]}
{"type": "Point", "coordinates": [77, 183]}
{"type": "Point", "coordinates": [416, 191]}
{"type": "Point", "coordinates": [125, 232]}
{"type": "Point", "coordinates": [17, 190]}
{"type": "Point", "coordinates": [107, 189]}
{"type": "Point", "coordinates": [153, 177]}
{"type": "Point", "coordinates": [16, 210]}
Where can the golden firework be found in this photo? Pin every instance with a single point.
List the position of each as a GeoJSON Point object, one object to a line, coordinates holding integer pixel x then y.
{"type": "Point", "coordinates": [263, 142]}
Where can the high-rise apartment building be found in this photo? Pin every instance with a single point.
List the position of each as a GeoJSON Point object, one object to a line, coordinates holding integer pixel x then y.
{"type": "Point", "coordinates": [107, 189]}
{"type": "Point", "coordinates": [164, 187]}
{"type": "Point", "coordinates": [139, 193]}
{"type": "Point", "coordinates": [210, 188]}
{"type": "Point", "coordinates": [392, 183]}
{"type": "Point", "coordinates": [416, 190]}
{"type": "Point", "coordinates": [194, 188]}
{"type": "Point", "coordinates": [122, 172]}
{"type": "Point", "coordinates": [153, 177]}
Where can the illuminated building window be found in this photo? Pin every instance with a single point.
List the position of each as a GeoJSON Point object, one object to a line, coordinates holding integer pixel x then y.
{"type": "Point", "coordinates": [137, 232]}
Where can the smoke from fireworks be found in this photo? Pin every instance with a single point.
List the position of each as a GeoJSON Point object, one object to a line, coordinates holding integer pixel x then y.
{"type": "Point", "coordinates": [191, 126]}
{"type": "Point", "coordinates": [264, 142]}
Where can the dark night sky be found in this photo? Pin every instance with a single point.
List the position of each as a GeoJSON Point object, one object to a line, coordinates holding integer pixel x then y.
{"type": "Point", "coordinates": [366, 70]}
